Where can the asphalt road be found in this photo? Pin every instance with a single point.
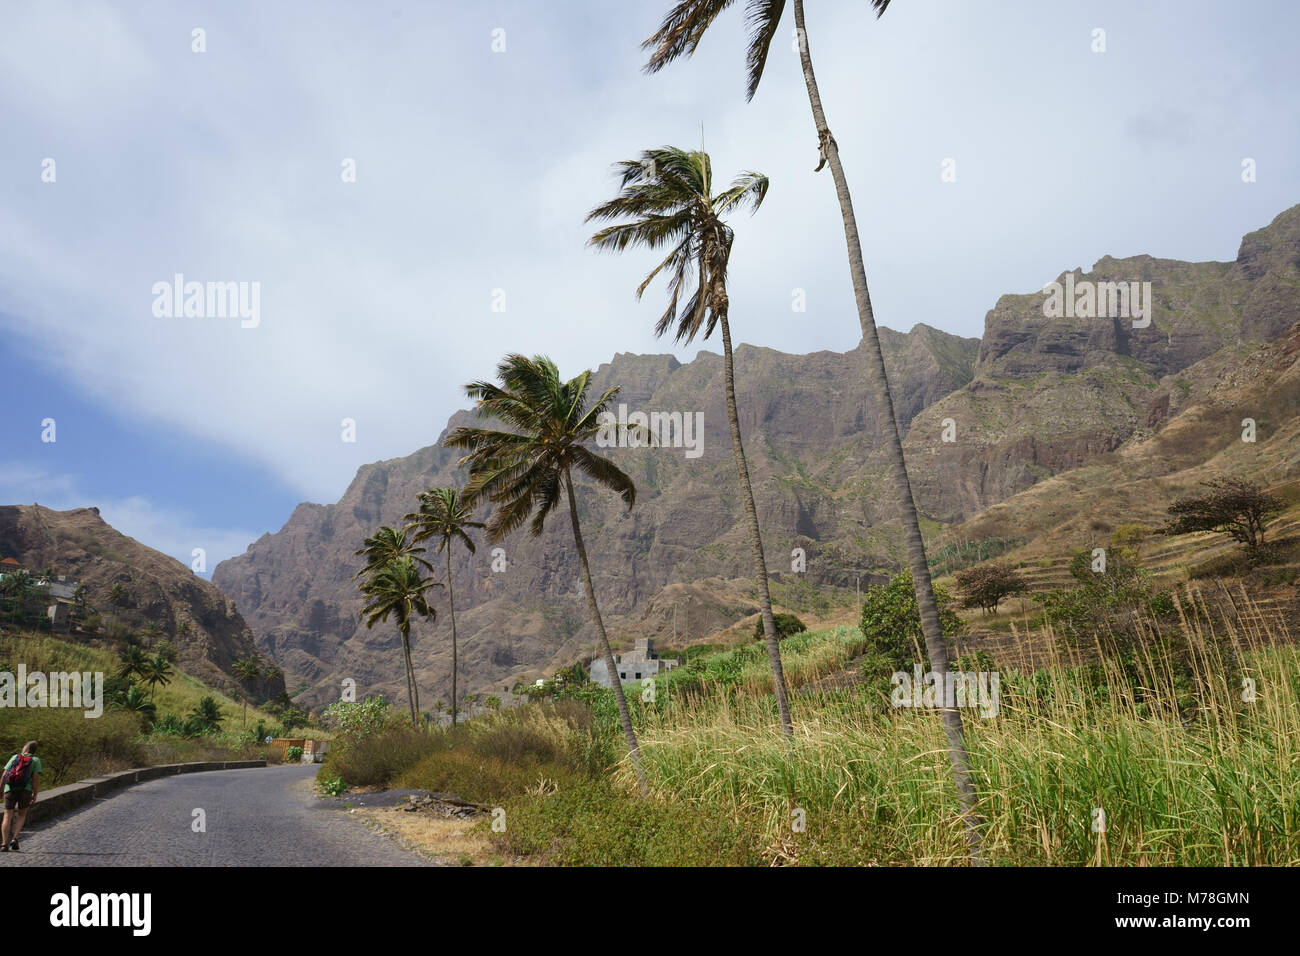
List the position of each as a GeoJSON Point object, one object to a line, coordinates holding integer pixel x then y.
{"type": "Point", "coordinates": [265, 816]}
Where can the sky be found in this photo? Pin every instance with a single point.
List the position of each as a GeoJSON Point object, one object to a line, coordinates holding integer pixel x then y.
{"type": "Point", "coordinates": [404, 185]}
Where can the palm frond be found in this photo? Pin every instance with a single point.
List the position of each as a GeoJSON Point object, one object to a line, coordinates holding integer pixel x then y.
{"type": "Point", "coordinates": [764, 17]}
{"type": "Point", "coordinates": [680, 32]}
{"type": "Point", "coordinates": [606, 474]}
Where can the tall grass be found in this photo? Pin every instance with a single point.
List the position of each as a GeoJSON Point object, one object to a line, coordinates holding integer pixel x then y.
{"type": "Point", "coordinates": [1155, 760]}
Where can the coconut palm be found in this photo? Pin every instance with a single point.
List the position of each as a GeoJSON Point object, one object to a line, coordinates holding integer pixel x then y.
{"type": "Point", "coordinates": [525, 472]}
{"type": "Point", "coordinates": [444, 515]}
{"type": "Point", "coordinates": [135, 701]}
{"type": "Point", "coordinates": [398, 588]}
{"type": "Point", "coordinates": [132, 661]}
{"type": "Point", "coordinates": [678, 35]}
{"type": "Point", "coordinates": [206, 715]}
{"type": "Point", "coordinates": [666, 200]}
{"type": "Point", "coordinates": [17, 587]}
{"type": "Point", "coordinates": [247, 669]}
{"type": "Point", "coordinates": [385, 546]}
{"type": "Point", "coordinates": [157, 670]}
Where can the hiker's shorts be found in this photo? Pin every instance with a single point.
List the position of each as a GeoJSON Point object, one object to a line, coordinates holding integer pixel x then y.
{"type": "Point", "coordinates": [18, 799]}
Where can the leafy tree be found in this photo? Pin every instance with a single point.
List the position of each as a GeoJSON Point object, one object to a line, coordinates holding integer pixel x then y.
{"type": "Point", "coordinates": [575, 673]}
{"type": "Point", "coordinates": [525, 472]}
{"type": "Point", "coordinates": [493, 702]}
{"type": "Point", "coordinates": [1102, 602]}
{"type": "Point", "coordinates": [443, 515]}
{"type": "Point", "coordinates": [166, 650]}
{"type": "Point", "coordinates": [121, 632]}
{"type": "Point", "coordinates": [1237, 508]}
{"type": "Point", "coordinates": [666, 200]}
{"type": "Point", "coordinates": [117, 595]}
{"type": "Point", "coordinates": [985, 585]}
{"type": "Point", "coordinates": [786, 624]}
{"type": "Point", "coordinates": [292, 716]}
{"type": "Point", "coordinates": [679, 35]}
{"type": "Point", "coordinates": [17, 588]}
{"type": "Point", "coordinates": [892, 623]}
{"type": "Point", "coordinates": [399, 589]}
{"type": "Point", "coordinates": [1131, 536]}
{"type": "Point", "coordinates": [358, 720]}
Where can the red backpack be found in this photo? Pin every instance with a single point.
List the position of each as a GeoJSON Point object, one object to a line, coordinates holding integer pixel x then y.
{"type": "Point", "coordinates": [18, 772]}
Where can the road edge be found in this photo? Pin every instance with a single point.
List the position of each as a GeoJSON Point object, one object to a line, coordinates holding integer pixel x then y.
{"type": "Point", "coordinates": [52, 803]}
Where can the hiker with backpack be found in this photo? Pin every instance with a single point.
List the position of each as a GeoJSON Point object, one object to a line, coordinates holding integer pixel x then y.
{"type": "Point", "coordinates": [21, 784]}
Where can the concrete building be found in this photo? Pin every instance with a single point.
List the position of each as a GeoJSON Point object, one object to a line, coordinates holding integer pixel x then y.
{"type": "Point", "coordinates": [641, 663]}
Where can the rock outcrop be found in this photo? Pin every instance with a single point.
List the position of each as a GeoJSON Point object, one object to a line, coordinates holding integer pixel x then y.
{"type": "Point", "coordinates": [202, 622]}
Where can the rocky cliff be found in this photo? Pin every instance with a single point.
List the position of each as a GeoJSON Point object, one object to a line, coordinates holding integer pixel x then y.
{"type": "Point", "coordinates": [1035, 397]}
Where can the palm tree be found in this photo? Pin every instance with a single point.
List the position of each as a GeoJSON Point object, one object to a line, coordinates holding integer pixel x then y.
{"type": "Point", "coordinates": [678, 35]}
{"type": "Point", "coordinates": [443, 515]}
{"type": "Point", "coordinates": [207, 715]}
{"type": "Point", "coordinates": [133, 662]}
{"type": "Point", "coordinates": [157, 670]}
{"type": "Point", "coordinates": [247, 669]}
{"type": "Point", "coordinates": [666, 199]}
{"type": "Point", "coordinates": [525, 472]}
{"type": "Point", "coordinates": [134, 701]}
{"type": "Point", "coordinates": [398, 588]}
{"type": "Point", "coordinates": [385, 546]}
{"type": "Point", "coordinates": [16, 587]}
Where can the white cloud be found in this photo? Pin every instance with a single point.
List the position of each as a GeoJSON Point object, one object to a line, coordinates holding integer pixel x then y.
{"type": "Point", "coordinates": [475, 171]}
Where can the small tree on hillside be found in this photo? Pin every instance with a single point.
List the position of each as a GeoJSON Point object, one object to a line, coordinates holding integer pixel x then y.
{"type": "Point", "coordinates": [1131, 536]}
{"type": "Point", "coordinates": [786, 624]}
{"type": "Point", "coordinates": [892, 623]}
{"type": "Point", "coordinates": [1231, 506]}
{"type": "Point", "coordinates": [985, 585]}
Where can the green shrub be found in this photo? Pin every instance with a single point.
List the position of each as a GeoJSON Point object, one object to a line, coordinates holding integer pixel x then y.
{"type": "Point", "coordinates": [378, 758]}
{"type": "Point", "coordinates": [293, 754]}
{"type": "Point", "coordinates": [786, 624]}
{"type": "Point", "coordinates": [72, 746]}
{"type": "Point", "coordinates": [892, 625]}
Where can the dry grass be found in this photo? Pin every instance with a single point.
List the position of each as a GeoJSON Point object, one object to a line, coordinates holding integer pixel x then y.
{"type": "Point", "coordinates": [447, 840]}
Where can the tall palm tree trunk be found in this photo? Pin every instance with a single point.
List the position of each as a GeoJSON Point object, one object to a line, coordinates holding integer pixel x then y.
{"type": "Point", "coordinates": [935, 648]}
{"type": "Point", "coordinates": [624, 715]}
{"type": "Point", "coordinates": [412, 696]}
{"type": "Point", "coordinates": [755, 536]}
{"type": "Point", "coordinates": [451, 604]}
